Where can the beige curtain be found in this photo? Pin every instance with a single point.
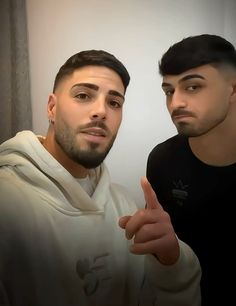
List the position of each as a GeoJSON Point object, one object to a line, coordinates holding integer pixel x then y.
{"type": "Point", "coordinates": [15, 104]}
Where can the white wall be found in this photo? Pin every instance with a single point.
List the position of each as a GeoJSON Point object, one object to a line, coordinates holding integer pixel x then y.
{"type": "Point", "coordinates": [138, 32]}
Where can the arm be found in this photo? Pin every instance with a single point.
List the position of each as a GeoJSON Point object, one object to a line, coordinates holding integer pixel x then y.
{"type": "Point", "coordinates": [170, 265]}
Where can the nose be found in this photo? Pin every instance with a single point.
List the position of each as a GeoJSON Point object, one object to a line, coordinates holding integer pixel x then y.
{"type": "Point", "coordinates": [177, 100]}
{"type": "Point", "coordinates": [99, 109]}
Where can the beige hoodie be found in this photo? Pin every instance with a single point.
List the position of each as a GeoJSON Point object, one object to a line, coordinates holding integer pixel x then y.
{"type": "Point", "coordinates": [60, 247]}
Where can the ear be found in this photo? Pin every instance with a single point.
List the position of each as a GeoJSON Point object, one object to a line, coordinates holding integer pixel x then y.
{"type": "Point", "coordinates": [233, 92]}
{"type": "Point", "coordinates": [51, 109]}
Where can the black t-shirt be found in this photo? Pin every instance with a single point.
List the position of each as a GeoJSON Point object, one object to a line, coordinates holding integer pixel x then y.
{"type": "Point", "coordinates": [200, 200]}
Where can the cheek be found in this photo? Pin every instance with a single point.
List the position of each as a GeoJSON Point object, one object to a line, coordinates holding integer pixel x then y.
{"type": "Point", "coordinates": [168, 106]}
{"type": "Point", "coordinates": [115, 122]}
{"type": "Point", "coordinates": [217, 102]}
{"type": "Point", "coordinates": [71, 114]}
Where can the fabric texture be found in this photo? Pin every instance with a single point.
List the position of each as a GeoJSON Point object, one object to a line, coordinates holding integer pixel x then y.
{"type": "Point", "coordinates": [58, 246]}
{"type": "Point", "coordinates": [198, 198]}
{"type": "Point", "coordinates": [15, 96]}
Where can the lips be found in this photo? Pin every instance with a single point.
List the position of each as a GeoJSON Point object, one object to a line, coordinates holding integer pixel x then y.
{"type": "Point", "coordinates": [95, 132]}
{"type": "Point", "coordinates": [181, 114]}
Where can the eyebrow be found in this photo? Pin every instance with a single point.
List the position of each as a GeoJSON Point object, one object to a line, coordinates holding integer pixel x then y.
{"type": "Point", "coordinates": [185, 78]}
{"type": "Point", "coordinates": [95, 87]}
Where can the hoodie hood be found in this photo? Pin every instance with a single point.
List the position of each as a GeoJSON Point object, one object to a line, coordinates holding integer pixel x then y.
{"type": "Point", "coordinates": [28, 159]}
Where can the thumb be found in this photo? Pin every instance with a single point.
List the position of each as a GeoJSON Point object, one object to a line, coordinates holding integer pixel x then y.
{"type": "Point", "coordinates": [149, 195]}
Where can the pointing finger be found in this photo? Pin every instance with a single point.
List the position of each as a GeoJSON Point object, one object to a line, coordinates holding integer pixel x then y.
{"type": "Point", "coordinates": [149, 195]}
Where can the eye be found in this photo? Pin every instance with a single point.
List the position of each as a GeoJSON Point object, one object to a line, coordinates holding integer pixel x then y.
{"type": "Point", "coordinates": [192, 87]}
{"type": "Point", "coordinates": [82, 96]}
{"type": "Point", "coordinates": [168, 92]}
{"type": "Point", "coordinates": [115, 104]}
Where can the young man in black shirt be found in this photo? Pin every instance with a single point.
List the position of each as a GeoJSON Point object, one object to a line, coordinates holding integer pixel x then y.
{"type": "Point", "coordinates": [194, 172]}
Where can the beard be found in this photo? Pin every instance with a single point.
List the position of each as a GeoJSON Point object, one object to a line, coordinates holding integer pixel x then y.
{"type": "Point", "coordinates": [191, 130]}
{"type": "Point", "coordinates": [88, 158]}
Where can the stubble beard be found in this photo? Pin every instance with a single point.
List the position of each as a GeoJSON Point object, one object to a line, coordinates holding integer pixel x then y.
{"type": "Point", "coordinates": [88, 158]}
{"type": "Point", "coordinates": [187, 130]}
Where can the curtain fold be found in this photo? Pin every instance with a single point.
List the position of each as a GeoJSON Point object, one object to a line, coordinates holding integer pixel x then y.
{"type": "Point", "coordinates": [15, 97]}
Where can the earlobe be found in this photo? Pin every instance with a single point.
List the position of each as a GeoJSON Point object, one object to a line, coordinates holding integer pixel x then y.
{"type": "Point", "coordinates": [51, 109]}
{"type": "Point", "coordinates": [232, 89]}
{"type": "Point", "coordinates": [234, 92]}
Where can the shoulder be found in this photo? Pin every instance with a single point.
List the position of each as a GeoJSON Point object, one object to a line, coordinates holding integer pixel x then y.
{"type": "Point", "coordinates": [168, 148]}
{"type": "Point", "coordinates": [9, 182]}
{"type": "Point", "coordinates": [13, 193]}
{"type": "Point", "coordinates": [169, 144]}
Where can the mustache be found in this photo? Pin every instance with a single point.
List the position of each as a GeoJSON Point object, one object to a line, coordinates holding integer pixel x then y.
{"type": "Point", "coordinates": [181, 112]}
{"type": "Point", "coordinates": [95, 123]}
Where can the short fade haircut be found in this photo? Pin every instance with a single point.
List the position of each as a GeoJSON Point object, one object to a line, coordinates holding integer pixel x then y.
{"type": "Point", "coordinates": [92, 58]}
{"type": "Point", "coordinates": [195, 51]}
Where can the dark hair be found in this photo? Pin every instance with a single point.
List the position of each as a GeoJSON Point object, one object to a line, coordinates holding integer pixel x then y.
{"type": "Point", "coordinates": [92, 58]}
{"type": "Point", "coordinates": [195, 51]}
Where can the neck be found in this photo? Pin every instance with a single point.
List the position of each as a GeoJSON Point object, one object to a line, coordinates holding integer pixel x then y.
{"type": "Point", "coordinates": [55, 150]}
{"type": "Point", "coordinates": [218, 146]}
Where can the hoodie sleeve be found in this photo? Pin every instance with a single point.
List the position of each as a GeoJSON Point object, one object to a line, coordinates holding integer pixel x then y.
{"type": "Point", "coordinates": [176, 285]}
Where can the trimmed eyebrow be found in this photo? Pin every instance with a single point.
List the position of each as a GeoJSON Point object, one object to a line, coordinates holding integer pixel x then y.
{"type": "Point", "coordinates": [95, 87]}
{"type": "Point", "coordinates": [116, 93]}
{"type": "Point", "coordinates": [89, 85]}
{"type": "Point", "coordinates": [185, 78]}
{"type": "Point", "coordinates": [192, 76]}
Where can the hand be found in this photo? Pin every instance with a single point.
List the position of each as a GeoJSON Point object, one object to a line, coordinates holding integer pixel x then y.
{"type": "Point", "coordinates": [151, 229]}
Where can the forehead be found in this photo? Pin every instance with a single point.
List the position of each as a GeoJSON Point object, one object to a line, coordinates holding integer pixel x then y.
{"type": "Point", "coordinates": [98, 75]}
{"type": "Point", "coordinates": [205, 72]}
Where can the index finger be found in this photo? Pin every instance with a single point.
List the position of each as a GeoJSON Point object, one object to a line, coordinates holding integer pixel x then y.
{"type": "Point", "coordinates": [149, 195]}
